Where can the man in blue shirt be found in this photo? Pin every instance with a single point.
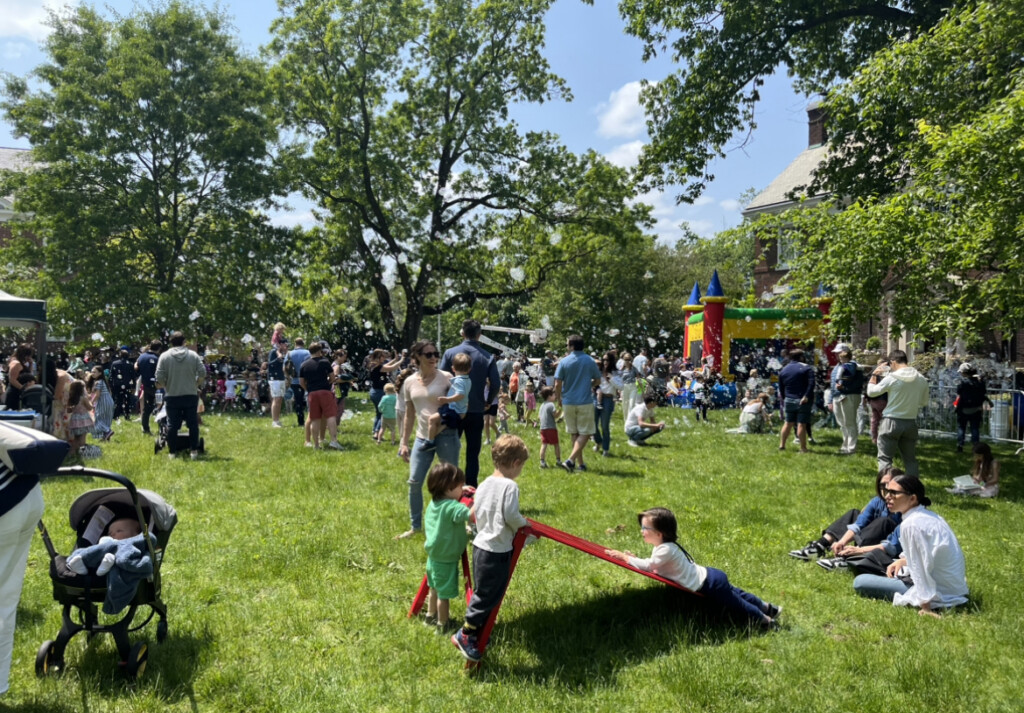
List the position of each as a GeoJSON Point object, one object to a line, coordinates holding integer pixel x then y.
{"type": "Point", "coordinates": [483, 372]}
{"type": "Point", "coordinates": [297, 356]}
{"type": "Point", "coordinates": [796, 392]}
{"type": "Point", "coordinates": [575, 378]}
{"type": "Point", "coordinates": [146, 366]}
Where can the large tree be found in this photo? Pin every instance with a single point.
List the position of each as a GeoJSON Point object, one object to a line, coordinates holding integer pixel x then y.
{"type": "Point", "coordinates": [933, 224]}
{"type": "Point", "coordinates": [150, 138]}
{"type": "Point", "coordinates": [724, 51]}
{"type": "Point", "coordinates": [431, 196]}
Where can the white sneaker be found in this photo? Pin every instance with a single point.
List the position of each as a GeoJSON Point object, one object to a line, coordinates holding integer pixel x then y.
{"type": "Point", "coordinates": [308, 444]}
{"type": "Point", "coordinates": [194, 455]}
{"type": "Point", "coordinates": [276, 424]}
{"type": "Point", "coordinates": [633, 443]}
{"type": "Point", "coordinates": [335, 446]}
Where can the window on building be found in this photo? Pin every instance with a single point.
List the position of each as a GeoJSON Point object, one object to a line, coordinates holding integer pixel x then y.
{"type": "Point", "coordinates": [788, 250]}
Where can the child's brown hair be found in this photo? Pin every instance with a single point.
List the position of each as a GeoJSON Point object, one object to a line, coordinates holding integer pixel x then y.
{"type": "Point", "coordinates": [546, 392]}
{"type": "Point", "coordinates": [462, 363]}
{"type": "Point", "coordinates": [75, 393]}
{"type": "Point", "coordinates": [509, 449]}
{"type": "Point", "coordinates": [442, 478]}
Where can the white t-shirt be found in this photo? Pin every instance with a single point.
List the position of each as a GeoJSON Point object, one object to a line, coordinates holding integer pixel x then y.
{"type": "Point", "coordinates": [639, 413]}
{"type": "Point", "coordinates": [497, 514]}
{"type": "Point", "coordinates": [424, 398]}
{"type": "Point", "coordinates": [667, 560]}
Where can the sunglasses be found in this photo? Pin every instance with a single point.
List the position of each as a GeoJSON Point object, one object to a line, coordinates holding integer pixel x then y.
{"type": "Point", "coordinates": [430, 355]}
{"type": "Point", "coordinates": [893, 493]}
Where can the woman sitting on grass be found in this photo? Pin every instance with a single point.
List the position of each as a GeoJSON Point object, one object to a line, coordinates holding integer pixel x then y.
{"type": "Point", "coordinates": [669, 560]}
{"type": "Point", "coordinates": [931, 574]}
{"type": "Point", "coordinates": [868, 528]}
{"type": "Point", "coordinates": [756, 416]}
{"type": "Point", "coordinates": [984, 473]}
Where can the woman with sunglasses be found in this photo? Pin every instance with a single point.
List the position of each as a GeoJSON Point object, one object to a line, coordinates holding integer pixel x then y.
{"type": "Point", "coordinates": [932, 556]}
{"type": "Point", "coordinates": [420, 392]}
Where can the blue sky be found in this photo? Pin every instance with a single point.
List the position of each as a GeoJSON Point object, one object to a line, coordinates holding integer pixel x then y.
{"type": "Point", "coordinates": [586, 46]}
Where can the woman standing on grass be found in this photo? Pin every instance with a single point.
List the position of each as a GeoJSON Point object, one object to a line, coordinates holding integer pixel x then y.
{"type": "Point", "coordinates": [420, 393]}
{"type": "Point", "coordinates": [604, 403]}
{"type": "Point", "coordinates": [379, 368]}
{"type": "Point", "coordinates": [21, 360]}
{"type": "Point", "coordinates": [935, 569]}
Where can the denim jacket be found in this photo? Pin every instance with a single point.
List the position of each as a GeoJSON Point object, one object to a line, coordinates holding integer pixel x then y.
{"type": "Point", "coordinates": [875, 508]}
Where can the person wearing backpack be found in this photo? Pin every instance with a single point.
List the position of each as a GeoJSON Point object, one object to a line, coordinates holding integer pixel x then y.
{"type": "Point", "coordinates": [971, 399]}
{"type": "Point", "coordinates": [847, 383]}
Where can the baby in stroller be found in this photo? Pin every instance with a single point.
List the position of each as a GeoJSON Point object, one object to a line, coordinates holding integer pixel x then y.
{"type": "Point", "coordinates": [121, 555]}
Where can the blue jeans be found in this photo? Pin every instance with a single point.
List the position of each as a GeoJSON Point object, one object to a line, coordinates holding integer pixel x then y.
{"type": "Point", "coordinates": [733, 599]}
{"type": "Point", "coordinates": [877, 587]}
{"type": "Point", "coordinates": [375, 396]}
{"type": "Point", "coordinates": [639, 434]}
{"type": "Point", "coordinates": [603, 422]}
{"type": "Point", "coordinates": [447, 449]}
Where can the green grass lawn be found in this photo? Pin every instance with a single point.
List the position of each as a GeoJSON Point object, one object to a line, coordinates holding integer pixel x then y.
{"type": "Point", "coordinates": [286, 591]}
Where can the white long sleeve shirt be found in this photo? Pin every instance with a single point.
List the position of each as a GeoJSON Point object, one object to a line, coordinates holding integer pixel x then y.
{"type": "Point", "coordinates": [497, 514]}
{"type": "Point", "coordinates": [935, 561]}
{"type": "Point", "coordinates": [907, 390]}
{"type": "Point", "coordinates": [667, 560]}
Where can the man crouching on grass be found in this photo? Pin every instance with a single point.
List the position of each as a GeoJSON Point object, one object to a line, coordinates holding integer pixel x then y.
{"type": "Point", "coordinates": [496, 507]}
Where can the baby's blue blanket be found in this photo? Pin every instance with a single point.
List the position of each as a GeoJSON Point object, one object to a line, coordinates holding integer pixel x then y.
{"type": "Point", "coordinates": [132, 564]}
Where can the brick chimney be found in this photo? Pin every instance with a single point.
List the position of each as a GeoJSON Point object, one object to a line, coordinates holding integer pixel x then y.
{"type": "Point", "coordinates": [816, 134]}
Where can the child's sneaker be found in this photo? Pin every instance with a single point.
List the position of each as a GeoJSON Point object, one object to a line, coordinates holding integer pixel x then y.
{"type": "Point", "coordinates": [542, 464]}
{"type": "Point", "coordinates": [429, 620]}
{"type": "Point", "coordinates": [466, 645]}
{"type": "Point", "coordinates": [582, 467]}
{"type": "Point", "coordinates": [569, 466]}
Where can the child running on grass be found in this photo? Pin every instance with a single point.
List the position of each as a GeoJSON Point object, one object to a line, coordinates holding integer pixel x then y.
{"type": "Point", "coordinates": [388, 413]}
{"type": "Point", "coordinates": [455, 403]}
{"type": "Point", "coordinates": [496, 507]}
{"type": "Point", "coordinates": [445, 527]}
{"type": "Point", "coordinates": [548, 429]}
{"type": "Point", "coordinates": [671, 561]}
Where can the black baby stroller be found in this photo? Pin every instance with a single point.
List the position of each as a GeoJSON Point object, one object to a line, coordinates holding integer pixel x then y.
{"type": "Point", "coordinates": [162, 435]}
{"type": "Point", "coordinates": [81, 595]}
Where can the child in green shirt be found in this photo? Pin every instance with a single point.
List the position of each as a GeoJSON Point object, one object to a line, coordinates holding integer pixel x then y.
{"type": "Point", "coordinates": [445, 526]}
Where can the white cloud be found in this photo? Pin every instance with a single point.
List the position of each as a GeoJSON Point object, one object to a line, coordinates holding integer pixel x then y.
{"type": "Point", "coordinates": [25, 19]}
{"type": "Point", "coordinates": [625, 155]}
{"type": "Point", "coordinates": [703, 228]}
{"type": "Point", "coordinates": [622, 116]}
{"type": "Point", "coordinates": [703, 200]}
{"type": "Point", "coordinates": [13, 50]}
{"type": "Point", "coordinates": [290, 219]}
{"type": "Point", "coordinates": [730, 204]}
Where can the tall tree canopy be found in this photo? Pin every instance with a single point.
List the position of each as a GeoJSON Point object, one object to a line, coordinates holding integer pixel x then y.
{"type": "Point", "coordinates": [932, 222]}
{"type": "Point", "coordinates": [431, 197]}
{"type": "Point", "coordinates": [724, 51]}
{"type": "Point", "coordinates": [150, 140]}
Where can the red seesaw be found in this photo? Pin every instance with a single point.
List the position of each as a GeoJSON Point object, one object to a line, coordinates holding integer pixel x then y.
{"type": "Point", "coordinates": [538, 530]}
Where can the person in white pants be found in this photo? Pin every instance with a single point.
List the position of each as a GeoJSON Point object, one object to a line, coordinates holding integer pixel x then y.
{"type": "Point", "coordinates": [845, 404]}
{"type": "Point", "coordinates": [16, 527]}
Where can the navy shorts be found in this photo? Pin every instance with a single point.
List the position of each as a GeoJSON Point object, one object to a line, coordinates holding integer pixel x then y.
{"type": "Point", "coordinates": [449, 417]}
{"type": "Point", "coordinates": [795, 413]}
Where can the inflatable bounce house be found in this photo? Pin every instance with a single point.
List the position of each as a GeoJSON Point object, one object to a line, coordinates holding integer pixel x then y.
{"type": "Point", "coordinates": [714, 330]}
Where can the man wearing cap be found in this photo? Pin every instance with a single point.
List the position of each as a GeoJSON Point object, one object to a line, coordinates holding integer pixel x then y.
{"type": "Point", "coordinates": [844, 395]}
{"type": "Point", "coordinates": [483, 372]}
{"type": "Point", "coordinates": [908, 393]}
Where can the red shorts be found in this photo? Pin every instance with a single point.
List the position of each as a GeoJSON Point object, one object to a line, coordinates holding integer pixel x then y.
{"type": "Point", "coordinates": [321, 405]}
{"type": "Point", "coordinates": [549, 436]}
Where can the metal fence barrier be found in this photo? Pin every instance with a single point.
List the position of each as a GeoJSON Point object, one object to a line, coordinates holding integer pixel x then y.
{"type": "Point", "coordinates": [1003, 422]}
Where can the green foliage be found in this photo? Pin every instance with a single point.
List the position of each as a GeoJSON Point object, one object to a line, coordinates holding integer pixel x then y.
{"type": "Point", "coordinates": [945, 252]}
{"type": "Point", "coordinates": [285, 591]}
{"type": "Point", "coordinates": [432, 197]}
{"type": "Point", "coordinates": [150, 138]}
{"type": "Point", "coordinates": [724, 51]}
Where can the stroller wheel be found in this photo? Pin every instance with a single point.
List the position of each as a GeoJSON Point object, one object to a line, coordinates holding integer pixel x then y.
{"type": "Point", "coordinates": [136, 664]}
{"type": "Point", "coordinates": [47, 662]}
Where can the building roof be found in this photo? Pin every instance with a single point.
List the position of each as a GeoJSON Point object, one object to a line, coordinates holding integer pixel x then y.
{"type": "Point", "coordinates": [800, 172]}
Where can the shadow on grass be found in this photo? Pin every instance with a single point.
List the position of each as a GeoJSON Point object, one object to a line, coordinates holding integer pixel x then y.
{"type": "Point", "coordinates": [171, 668]}
{"type": "Point", "coordinates": [47, 707]}
{"type": "Point", "coordinates": [582, 645]}
{"type": "Point", "coordinates": [614, 474]}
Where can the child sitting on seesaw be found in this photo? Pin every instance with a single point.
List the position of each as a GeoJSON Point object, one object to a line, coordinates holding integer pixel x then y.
{"type": "Point", "coordinates": [454, 405]}
{"type": "Point", "coordinates": [671, 561]}
{"type": "Point", "coordinates": [496, 507]}
{"type": "Point", "coordinates": [445, 527]}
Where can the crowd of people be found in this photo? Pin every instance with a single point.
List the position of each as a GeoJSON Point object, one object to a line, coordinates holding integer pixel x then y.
{"type": "Point", "coordinates": [438, 407]}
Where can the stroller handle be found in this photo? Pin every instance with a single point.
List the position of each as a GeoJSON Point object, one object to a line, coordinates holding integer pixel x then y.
{"type": "Point", "coordinates": [80, 471]}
